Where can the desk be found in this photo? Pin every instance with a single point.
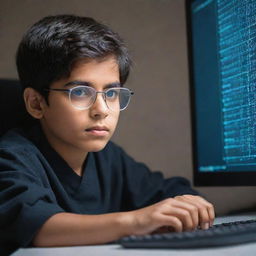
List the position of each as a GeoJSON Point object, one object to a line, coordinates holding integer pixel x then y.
{"type": "Point", "coordinates": [116, 250]}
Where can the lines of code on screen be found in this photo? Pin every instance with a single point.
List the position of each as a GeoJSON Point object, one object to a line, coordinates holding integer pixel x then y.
{"type": "Point", "coordinates": [237, 59]}
{"type": "Point", "coordinates": [224, 84]}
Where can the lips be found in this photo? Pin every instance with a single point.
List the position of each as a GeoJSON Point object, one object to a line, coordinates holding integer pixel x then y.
{"type": "Point", "coordinates": [97, 128]}
{"type": "Point", "coordinates": [98, 131]}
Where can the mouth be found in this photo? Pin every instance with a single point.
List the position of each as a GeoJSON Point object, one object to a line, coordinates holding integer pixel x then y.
{"type": "Point", "coordinates": [98, 130]}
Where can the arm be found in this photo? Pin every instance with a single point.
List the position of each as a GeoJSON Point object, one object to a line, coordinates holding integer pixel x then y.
{"type": "Point", "coordinates": [68, 229]}
{"type": "Point", "coordinates": [180, 213]}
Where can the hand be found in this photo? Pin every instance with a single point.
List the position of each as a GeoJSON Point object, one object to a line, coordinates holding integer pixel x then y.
{"type": "Point", "coordinates": [181, 213]}
{"type": "Point", "coordinates": [205, 210]}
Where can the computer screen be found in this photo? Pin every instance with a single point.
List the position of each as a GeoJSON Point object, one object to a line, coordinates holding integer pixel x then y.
{"type": "Point", "coordinates": [222, 64]}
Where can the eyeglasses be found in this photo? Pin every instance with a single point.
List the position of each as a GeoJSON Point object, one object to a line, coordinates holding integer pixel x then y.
{"type": "Point", "coordinates": [83, 97]}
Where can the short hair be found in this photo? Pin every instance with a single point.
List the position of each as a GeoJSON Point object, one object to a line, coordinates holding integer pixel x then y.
{"type": "Point", "coordinates": [51, 47]}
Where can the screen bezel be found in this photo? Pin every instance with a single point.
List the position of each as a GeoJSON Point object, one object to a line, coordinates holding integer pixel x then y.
{"type": "Point", "coordinates": [244, 178]}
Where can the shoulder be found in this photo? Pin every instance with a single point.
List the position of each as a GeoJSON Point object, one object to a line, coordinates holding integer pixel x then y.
{"type": "Point", "coordinates": [20, 155]}
{"type": "Point", "coordinates": [16, 142]}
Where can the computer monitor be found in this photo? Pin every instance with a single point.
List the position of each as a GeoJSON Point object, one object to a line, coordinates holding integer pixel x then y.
{"type": "Point", "coordinates": [222, 64]}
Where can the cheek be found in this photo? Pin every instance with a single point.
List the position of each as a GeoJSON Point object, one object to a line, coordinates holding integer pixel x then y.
{"type": "Point", "coordinates": [115, 119]}
{"type": "Point", "coordinates": [63, 117]}
{"type": "Point", "coordinates": [112, 120]}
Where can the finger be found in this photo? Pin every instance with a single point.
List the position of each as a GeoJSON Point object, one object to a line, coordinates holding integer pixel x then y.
{"type": "Point", "coordinates": [193, 210]}
{"type": "Point", "coordinates": [164, 229]}
{"type": "Point", "coordinates": [209, 207]}
{"type": "Point", "coordinates": [206, 209]}
{"type": "Point", "coordinates": [173, 222]}
{"type": "Point", "coordinates": [183, 215]}
{"type": "Point", "coordinates": [210, 210]}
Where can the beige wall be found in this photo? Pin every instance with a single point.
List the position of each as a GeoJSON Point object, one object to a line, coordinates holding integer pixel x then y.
{"type": "Point", "coordinates": [156, 127]}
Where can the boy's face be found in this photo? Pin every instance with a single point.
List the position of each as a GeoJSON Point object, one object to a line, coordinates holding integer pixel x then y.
{"type": "Point", "coordinates": [68, 128]}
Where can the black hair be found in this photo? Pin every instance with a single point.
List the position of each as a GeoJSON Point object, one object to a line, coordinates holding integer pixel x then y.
{"type": "Point", "coordinates": [54, 44]}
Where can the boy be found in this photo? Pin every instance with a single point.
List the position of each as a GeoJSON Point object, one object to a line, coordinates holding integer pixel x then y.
{"type": "Point", "coordinates": [62, 182]}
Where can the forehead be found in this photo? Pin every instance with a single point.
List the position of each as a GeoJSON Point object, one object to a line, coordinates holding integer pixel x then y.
{"type": "Point", "coordinates": [95, 72]}
{"type": "Point", "coordinates": [93, 68]}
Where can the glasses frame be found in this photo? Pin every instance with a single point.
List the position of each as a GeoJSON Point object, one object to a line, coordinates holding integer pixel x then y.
{"type": "Point", "coordinates": [69, 91]}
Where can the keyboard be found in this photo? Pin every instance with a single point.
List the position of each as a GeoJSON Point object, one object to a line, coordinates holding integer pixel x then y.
{"type": "Point", "coordinates": [224, 234]}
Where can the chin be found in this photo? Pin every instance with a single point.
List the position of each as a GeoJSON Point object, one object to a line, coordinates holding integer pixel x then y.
{"type": "Point", "coordinates": [96, 146]}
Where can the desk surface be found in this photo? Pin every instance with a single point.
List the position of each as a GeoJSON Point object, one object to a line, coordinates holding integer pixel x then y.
{"type": "Point", "coordinates": [117, 250]}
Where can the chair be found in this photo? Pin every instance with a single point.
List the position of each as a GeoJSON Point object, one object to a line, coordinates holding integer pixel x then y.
{"type": "Point", "coordinates": [12, 108]}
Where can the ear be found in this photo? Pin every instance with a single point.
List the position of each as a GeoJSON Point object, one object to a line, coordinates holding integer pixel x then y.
{"type": "Point", "coordinates": [34, 102]}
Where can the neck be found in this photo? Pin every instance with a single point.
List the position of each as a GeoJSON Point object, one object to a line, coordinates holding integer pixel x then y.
{"type": "Point", "coordinates": [74, 160]}
{"type": "Point", "coordinates": [73, 156]}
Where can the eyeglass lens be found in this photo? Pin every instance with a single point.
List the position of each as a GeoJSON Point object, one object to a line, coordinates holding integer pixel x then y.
{"type": "Point", "coordinates": [116, 98]}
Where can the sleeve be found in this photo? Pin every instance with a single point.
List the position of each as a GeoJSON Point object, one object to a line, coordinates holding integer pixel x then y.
{"type": "Point", "coordinates": [25, 202]}
{"type": "Point", "coordinates": [144, 187]}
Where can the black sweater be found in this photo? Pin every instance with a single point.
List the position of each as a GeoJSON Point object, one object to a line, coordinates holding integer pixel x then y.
{"type": "Point", "coordinates": [36, 183]}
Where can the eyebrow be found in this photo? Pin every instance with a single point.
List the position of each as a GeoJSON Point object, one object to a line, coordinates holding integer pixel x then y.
{"type": "Point", "coordinates": [85, 83]}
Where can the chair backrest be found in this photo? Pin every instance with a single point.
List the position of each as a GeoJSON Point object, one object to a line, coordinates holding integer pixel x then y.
{"type": "Point", "coordinates": [12, 109]}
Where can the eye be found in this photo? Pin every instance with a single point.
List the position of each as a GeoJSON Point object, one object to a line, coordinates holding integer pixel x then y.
{"type": "Point", "coordinates": [81, 92]}
{"type": "Point", "coordinates": [112, 94]}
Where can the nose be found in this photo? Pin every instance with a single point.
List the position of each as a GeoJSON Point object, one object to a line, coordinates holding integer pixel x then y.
{"type": "Point", "coordinates": [99, 109]}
